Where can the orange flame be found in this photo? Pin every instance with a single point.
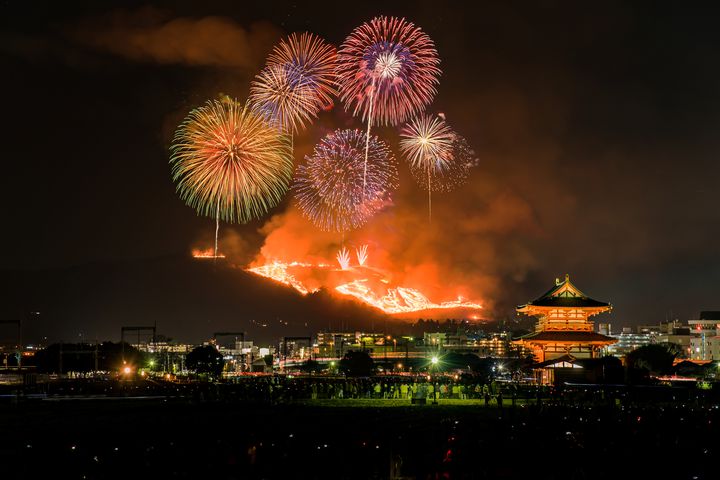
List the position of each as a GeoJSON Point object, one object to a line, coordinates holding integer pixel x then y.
{"type": "Point", "coordinates": [207, 253]}
{"type": "Point", "coordinates": [393, 300]}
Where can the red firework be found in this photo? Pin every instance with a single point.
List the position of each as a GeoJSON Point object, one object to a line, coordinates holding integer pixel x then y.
{"type": "Point", "coordinates": [387, 70]}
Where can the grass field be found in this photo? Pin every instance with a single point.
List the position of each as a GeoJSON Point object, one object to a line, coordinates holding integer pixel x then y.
{"type": "Point", "coordinates": [393, 402]}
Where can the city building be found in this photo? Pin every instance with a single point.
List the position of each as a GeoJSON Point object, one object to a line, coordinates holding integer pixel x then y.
{"type": "Point", "coordinates": [705, 336]}
{"type": "Point", "coordinates": [627, 341]}
{"type": "Point", "coordinates": [295, 348]}
{"type": "Point", "coordinates": [243, 356]}
{"type": "Point", "coordinates": [564, 326]}
{"type": "Point", "coordinates": [336, 344]}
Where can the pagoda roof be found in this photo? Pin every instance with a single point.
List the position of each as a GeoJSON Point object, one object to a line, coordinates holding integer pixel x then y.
{"type": "Point", "coordinates": [567, 336]}
{"type": "Point", "coordinates": [565, 294]}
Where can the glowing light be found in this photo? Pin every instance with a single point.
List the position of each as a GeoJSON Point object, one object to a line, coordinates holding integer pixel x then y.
{"type": "Point", "coordinates": [343, 258]}
{"type": "Point", "coordinates": [434, 360]}
{"type": "Point", "coordinates": [336, 191]}
{"type": "Point", "coordinates": [361, 253]}
{"type": "Point", "coordinates": [127, 370]}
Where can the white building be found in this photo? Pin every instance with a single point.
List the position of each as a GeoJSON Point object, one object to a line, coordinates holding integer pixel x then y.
{"type": "Point", "coordinates": [705, 341]}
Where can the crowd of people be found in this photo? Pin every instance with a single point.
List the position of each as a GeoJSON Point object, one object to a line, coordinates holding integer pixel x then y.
{"type": "Point", "coordinates": [277, 389]}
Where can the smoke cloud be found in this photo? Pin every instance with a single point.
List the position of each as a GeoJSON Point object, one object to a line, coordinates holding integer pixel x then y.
{"type": "Point", "coordinates": [147, 35]}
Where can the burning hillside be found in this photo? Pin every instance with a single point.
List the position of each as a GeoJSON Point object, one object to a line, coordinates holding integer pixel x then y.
{"type": "Point", "coordinates": [370, 285]}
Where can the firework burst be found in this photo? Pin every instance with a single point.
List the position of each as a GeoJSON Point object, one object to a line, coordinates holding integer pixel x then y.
{"type": "Point", "coordinates": [459, 160]}
{"type": "Point", "coordinates": [282, 96]}
{"type": "Point", "coordinates": [228, 163]}
{"type": "Point", "coordinates": [329, 187]}
{"type": "Point", "coordinates": [311, 58]}
{"type": "Point", "coordinates": [427, 144]}
{"type": "Point", "coordinates": [387, 70]}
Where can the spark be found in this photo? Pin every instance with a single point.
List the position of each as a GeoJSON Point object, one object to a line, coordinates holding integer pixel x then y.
{"type": "Point", "coordinates": [361, 253]}
{"type": "Point", "coordinates": [343, 258]}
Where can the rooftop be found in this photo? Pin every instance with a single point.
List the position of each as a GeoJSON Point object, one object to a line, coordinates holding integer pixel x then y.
{"type": "Point", "coordinates": [565, 294]}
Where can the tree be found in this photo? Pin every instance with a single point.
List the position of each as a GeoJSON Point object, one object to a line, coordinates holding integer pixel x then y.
{"type": "Point", "coordinates": [357, 364]}
{"type": "Point", "coordinates": [205, 359]}
{"type": "Point", "coordinates": [310, 366]}
{"type": "Point", "coordinates": [656, 359]}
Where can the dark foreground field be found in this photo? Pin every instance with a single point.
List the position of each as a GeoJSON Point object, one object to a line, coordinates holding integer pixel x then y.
{"type": "Point", "coordinates": [148, 438]}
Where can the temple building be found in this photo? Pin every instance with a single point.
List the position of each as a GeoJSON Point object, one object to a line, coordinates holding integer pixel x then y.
{"type": "Point", "coordinates": [564, 331]}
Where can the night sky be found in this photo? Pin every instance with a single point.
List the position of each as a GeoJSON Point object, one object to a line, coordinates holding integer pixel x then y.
{"type": "Point", "coordinates": [596, 130]}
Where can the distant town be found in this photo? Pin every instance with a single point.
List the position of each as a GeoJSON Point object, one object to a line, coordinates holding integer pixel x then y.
{"type": "Point", "coordinates": [556, 343]}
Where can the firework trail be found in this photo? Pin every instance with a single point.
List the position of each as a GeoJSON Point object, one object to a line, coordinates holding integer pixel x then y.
{"type": "Point", "coordinates": [329, 187]}
{"type": "Point", "coordinates": [387, 71]}
{"type": "Point", "coordinates": [230, 164]}
{"type": "Point", "coordinates": [427, 143]}
{"type": "Point", "coordinates": [361, 253]}
{"type": "Point", "coordinates": [343, 258]}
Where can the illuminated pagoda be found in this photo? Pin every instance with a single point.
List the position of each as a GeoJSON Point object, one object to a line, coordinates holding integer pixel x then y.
{"type": "Point", "coordinates": [564, 331]}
